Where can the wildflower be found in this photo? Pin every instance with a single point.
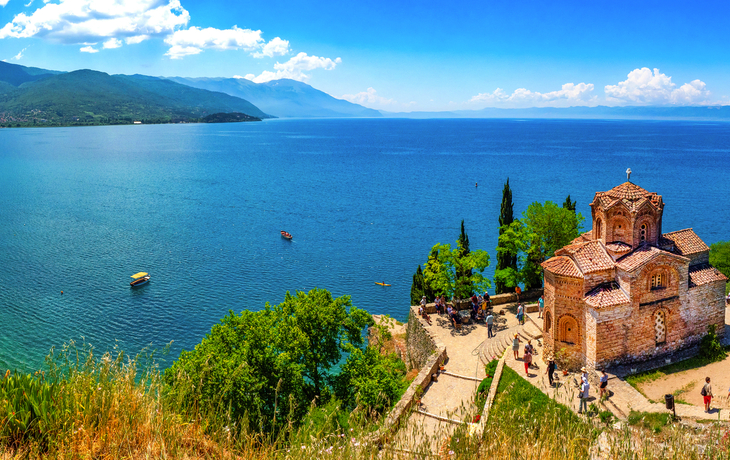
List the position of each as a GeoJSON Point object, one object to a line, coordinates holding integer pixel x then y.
{"type": "Point", "coordinates": [304, 447]}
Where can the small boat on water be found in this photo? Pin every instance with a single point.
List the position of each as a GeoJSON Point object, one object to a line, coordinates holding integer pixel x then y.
{"type": "Point", "coordinates": [382, 284]}
{"type": "Point", "coordinates": [140, 279]}
{"type": "Point", "coordinates": [286, 235]}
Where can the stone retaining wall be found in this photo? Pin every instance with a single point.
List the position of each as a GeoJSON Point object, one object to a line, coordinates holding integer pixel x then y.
{"type": "Point", "coordinates": [419, 343]}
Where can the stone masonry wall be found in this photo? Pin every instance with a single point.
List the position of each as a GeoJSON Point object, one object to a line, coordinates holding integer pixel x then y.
{"type": "Point", "coordinates": [419, 343]}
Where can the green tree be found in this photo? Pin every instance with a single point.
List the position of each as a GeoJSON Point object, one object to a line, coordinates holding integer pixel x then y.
{"type": "Point", "coordinates": [464, 274]}
{"type": "Point", "coordinates": [569, 204]}
{"type": "Point", "coordinates": [420, 288]}
{"type": "Point", "coordinates": [445, 264]}
{"type": "Point", "coordinates": [370, 380]}
{"type": "Point", "coordinates": [542, 230]}
{"type": "Point", "coordinates": [505, 260]}
{"type": "Point", "coordinates": [720, 259]}
{"type": "Point", "coordinates": [268, 365]}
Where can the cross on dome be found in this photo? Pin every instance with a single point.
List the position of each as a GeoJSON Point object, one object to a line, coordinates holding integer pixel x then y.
{"type": "Point", "coordinates": [628, 174]}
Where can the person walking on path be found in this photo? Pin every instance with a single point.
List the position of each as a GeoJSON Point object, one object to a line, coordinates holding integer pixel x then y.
{"type": "Point", "coordinates": [604, 382]}
{"type": "Point", "coordinates": [490, 324]}
{"type": "Point", "coordinates": [527, 358]}
{"type": "Point", "coordinates": [516, 346]}
{"type": "Point", "coordinates": [707, 394]}
{"type": "Point", "coordinates": [520, 313]}
{"type": "Point", "coordinates": [540, 306]}
{"type": "Point", "coordinates": [585, 388]}
{"type": "Point", "coordinates": [550, 370]}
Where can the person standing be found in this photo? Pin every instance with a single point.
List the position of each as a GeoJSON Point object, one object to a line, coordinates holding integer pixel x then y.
{"type": "Point", "coordinates": [520, 313]}
{"type": "Point", "coordinates": [707, 394]}
{"type": "Point", "coordinates": [527, 358]}
{"type": "Point", "coordinates": [604, 383]}
{"type": "Point", "coordinates": [540, 306]}
{"type": "Point", "coordinates": [585, 388]}
{"type": "Point", "coordinates": [551, 370]}
{"type": "Point", "coordinates": [490, 324]}
{"type": "Point", "coordinates": [516, 346]}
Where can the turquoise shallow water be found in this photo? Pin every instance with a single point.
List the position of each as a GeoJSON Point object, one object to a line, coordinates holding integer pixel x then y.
{"type": "Point", "coordinates": [200, 207]}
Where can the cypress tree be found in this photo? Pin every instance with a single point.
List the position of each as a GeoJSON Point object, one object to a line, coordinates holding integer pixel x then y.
{"type": "Point", "coordinates": [463, 275]}
{"type": "Point", "coordinates": [418, 287]}
{"type": "Point", "coordinates": [506, 217]}
{"type": "Point", "coordinates": [569, 204]}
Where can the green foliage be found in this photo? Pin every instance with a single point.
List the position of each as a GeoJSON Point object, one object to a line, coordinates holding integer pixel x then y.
{"type": "Point", "coordinates": [31, 409]}
{"type": "Point", "coordinates": [420, 288]}
{"type": "Point", "coordinates": [569, 204]}
{"type": "Point", "coordinates": [445, 265]}
{"type": "Point", "coordinates": [464, 273]}
{"type": "Point", "coordinates": [485, 384]}
{"type": "Point", "coordinates": [710, 347]}
{"type": "Point", "coordinates": [543, 229]}
{"type": "Point", "coordinates": [505, 260]}
{"type": "Point", "coordinates": [265, 366]}
{"type": "Point", "coordinates": [720, 259]}
{"type": "Point", "coordinates": [371, 380]}
{"type": "Point", "coordinates": [606, 417]}
{"type": "Point", "coordinates": [653, 421]}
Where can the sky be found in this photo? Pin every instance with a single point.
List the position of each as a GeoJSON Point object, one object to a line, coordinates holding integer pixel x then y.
{"type": "Point", "coordinates": [397, 55]}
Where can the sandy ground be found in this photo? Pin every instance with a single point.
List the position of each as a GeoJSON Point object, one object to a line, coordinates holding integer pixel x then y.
{"type": "Point", "coordinates": [691, 382]}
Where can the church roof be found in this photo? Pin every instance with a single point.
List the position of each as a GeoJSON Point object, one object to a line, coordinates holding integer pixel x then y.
{"type": "Point", "coordinates": [640, 256]}
{"type": "Point", "coordinates": [561, 265]}
{"type": "Point", "coordinates": [685, 242]}
{"type": "Point", "coordinates": [590, 257]}
{"type": "Point", "coordinates": [583, 238]}
{"type": "Point", "coordinates": [704, 274]}
{"type": "Point", "coordinates": [606, 295]}
{"type": "Point", "coordinates": [631, 195]}
{"type": "Point", "coordinates": [618, 247]}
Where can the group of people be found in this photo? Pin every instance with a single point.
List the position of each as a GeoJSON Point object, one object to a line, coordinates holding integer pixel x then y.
{"type": "Point", "coordinates": [480, 311]}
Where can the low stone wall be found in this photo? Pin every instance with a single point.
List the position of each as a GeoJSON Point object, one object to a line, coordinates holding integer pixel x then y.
{"type": "Point", "coordinates": [423, 351]}
{"type": "Point", "coordinates": [511, 297]}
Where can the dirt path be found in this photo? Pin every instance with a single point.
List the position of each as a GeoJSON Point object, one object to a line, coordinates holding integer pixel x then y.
{"type": "Point", "coordinates": [690, 383]}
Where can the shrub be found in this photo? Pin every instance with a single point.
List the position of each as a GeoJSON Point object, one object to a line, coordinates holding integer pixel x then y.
{"type": "Point", "coordinates": [710, 346]}
{"type": "Point", "coordinates": [606, 417]}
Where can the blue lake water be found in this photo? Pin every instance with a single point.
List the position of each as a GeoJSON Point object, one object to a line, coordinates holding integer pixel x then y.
{"type": "Point", "coordinates": [200, 208]}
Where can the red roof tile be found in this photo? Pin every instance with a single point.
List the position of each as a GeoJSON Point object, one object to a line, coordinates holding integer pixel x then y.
{"type": "Point", "coordinates": [562, 265]}
{"type": "Point", "coordinates": [606, 295]}
{"type": "Point", "coordinates": [583, 238]}
{"type": "Point", "coordinates": [630, 194]}
{"type": "Point", "coordinates": [590, 257]}
{"type": "Point", "coordinates": [704, 274]}
{"type": "Point", "coordinates": [685, 242]}
{"type": "Point", "coordinates": [639, 256]}
{"type": "Point", "coordinates": [618, 247]}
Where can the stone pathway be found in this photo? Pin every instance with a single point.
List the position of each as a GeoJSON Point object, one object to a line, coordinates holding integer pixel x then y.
{"type": "Point", "coordinates": [449, 401]}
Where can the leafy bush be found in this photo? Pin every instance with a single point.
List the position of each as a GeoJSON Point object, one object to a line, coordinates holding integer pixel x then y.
{"type": "Point", "coordinates": [710, 346]}
{"type": "Point", "coordinates": [606, 417]}
{"type": "Point", "coordinates": [653, 421]}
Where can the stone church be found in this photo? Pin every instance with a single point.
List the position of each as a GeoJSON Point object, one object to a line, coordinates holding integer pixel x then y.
{"type": "Point", "coordinates": [625, 291]}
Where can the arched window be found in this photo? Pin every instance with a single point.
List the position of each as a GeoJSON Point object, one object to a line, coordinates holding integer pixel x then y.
{"type": "Point", "coordinates": [547, 322]}
{"type": "Point", "coordinates": [660, 327]}
{"type": "Point", "coordinates": [568, 330]}
{"type": "Point", "coordinates": [599, 223]}
{"type": "Point", "coordinates": [658, 280]}
{"type": "Point", "coordinates": [643, 232]}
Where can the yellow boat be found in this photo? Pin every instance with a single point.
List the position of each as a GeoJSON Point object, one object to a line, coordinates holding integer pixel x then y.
{"type": "Point", "coordinates": [140, 279]}
{"type": "Point", "coordinates": [382, 284]}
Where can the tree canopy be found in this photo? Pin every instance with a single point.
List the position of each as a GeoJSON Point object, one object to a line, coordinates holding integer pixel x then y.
{"type": "Point", "coordinates": [720, 259]}
{"type": "Point", "coordinates": [268, 365]}
{"type": "Point", "coordinates": [505, 259]}
{"type": "Point", "coordinates": [543, 229]}
{"type": "Point", "coordinates": [450, 272]}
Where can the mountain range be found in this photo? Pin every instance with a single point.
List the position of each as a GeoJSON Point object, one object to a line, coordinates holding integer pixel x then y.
{"type": "Point", "coordinates": [283, 98]}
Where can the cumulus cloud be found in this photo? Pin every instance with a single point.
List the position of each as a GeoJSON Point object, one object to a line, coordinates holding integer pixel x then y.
{"type": "Point", "coordinates": [3, 3]}
{"type": "Point", "coordinates": [369, 97]}
{"type": "Point", "coordinates": [642, 86]}
{"type": "Point", "coordinates": [83, 21]}
{"type": "Point", "coordinates": [194, 40]}
{"type": "Point", "coordinates": [295, 67]}
{"type": "Point", "coordinates": [275, 47]}
{"type": "Point", "coordinates": [570, 93]}
{"type": "Point", "coordinates": [112, 43]}
{"type": "Point", "coordinates": [89, 49]}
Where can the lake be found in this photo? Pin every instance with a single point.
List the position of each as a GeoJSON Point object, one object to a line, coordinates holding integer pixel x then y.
{"type": "Point", "coordinates": [200, 207]}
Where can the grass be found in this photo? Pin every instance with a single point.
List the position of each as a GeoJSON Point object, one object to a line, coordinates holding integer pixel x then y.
{"type": "Point", "coordinates": [637, 380]}
{"type": "Point", "coordinates": [653, 421]}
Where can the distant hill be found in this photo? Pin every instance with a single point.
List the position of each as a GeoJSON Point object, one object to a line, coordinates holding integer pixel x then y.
{"type": "Point", "coordinates": [600, 112]}
{"type": "Point", "coordinates": [232, 117]}
{"type": "Point", "coordinates": [283, 98]}
{"type": "Point", "coordinates": [90, 97]}
{"type": "Point", "coordinates": [16, 75]}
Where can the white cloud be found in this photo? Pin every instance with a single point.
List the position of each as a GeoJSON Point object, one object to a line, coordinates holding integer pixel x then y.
{"type": "Point", "coordinates": [194, 40]}
{"type": "Point", "coordinates": [642, 86]}
{"type": "Point", "coordinates": [275, 47]}
{"type": "Point", "coordinates": [570, 93]}
{"type": "Point", "coordinates": [369, 97]}
{"type": "Point", "coordinates": [81, 21]}
{"type": "Point", "coordinates": [3, 3]}
{"type": "Point", "coordinates": [112, 43]}
{"type": "Point", "coordinates": [136, 39]}
{"type": "Point", "coordinates": [89, 49]}
{"type": "Point", "coordinates": [18, 56]}
{"type": "Point", "coordinates": [295, 67]}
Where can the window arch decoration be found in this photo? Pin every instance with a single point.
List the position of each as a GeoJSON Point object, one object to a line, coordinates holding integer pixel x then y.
{"type": "Point", "coordinates": [660, 327]}
{"type": "Point", "coordinates": [548, 322]}
{"type": "Point", "coordinates": [599, 223]}
{"type": "Point", "coordinates": [568, 329]}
